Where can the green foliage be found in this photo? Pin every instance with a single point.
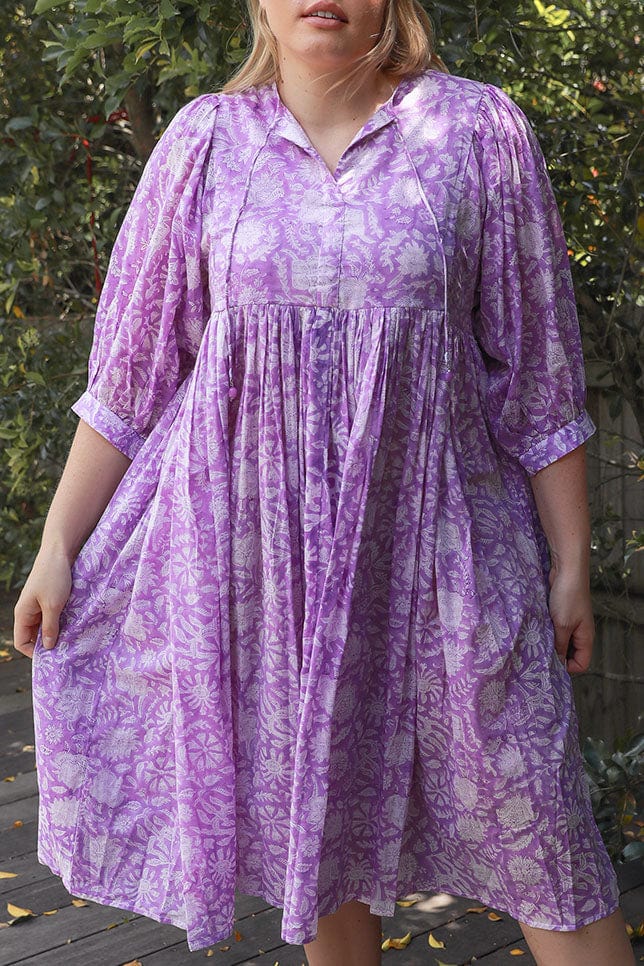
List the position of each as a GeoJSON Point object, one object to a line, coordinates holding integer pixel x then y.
{"type": "Point", "coordinates": [65, 176]}
{"type": "Point", "coordinates": [88, 84]}
{"type": "Point", "coordinates": [42, 372]}
{"type": "Point", "coordinates": [180, 47]}
{"type": "Point", "coordinates": [616, 782]}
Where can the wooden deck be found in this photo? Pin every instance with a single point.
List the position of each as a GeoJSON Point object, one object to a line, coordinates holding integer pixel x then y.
{"type": "Point", "coordinates": [87, 933]}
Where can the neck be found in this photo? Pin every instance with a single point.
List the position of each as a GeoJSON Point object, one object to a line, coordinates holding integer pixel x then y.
{"type": "Point", "coordinates": [306, 94]}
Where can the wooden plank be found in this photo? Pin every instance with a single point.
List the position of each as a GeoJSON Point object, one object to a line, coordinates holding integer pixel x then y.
{"type": "Point", "coordinates": [20, 763]}
{"type": "Point", "coordinates": [28, 870]}
{"type": "Point", "coordinates": [14, 673]}
{"type": "Point", "coordinates": [473, 934]}
{"type": "Point", "coordinates": [502, 957]}
{"type": "Point", "coordinates": [23, 810]}
{"type": "Point", "coordinates": [17, 730]}
{"type": "Point", "coordinates": [23, 786]}
{"type": "Point", "coordinates": [45, 940]}
{"type": "Point", "coordinates": [283, 956]}
{"type": "Point", "coordinates": [16, 702]}
{"type": "Point", "coordinates": [432, 909]}
{"type": "Point", "coordinates": [15, 842]}
{"type": "Point", "coordinates": [51, 935]}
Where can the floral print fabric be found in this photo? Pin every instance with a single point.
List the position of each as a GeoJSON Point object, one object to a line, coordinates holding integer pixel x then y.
{"type": "Point", "coordinates": [308, 654]}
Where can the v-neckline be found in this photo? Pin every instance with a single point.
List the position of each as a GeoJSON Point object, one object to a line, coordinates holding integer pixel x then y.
{"type": "Point", "coordinates": [289, 126]}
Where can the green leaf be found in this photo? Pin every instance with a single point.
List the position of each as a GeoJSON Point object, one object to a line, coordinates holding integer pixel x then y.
{"type": "Point", "coordinates": [18, 124]}
{"type": "Point", "coordinates": [35, 377]}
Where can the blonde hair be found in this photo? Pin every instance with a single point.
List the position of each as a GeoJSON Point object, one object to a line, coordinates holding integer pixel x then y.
{"type": "Point", "coordinates": [405, 46]}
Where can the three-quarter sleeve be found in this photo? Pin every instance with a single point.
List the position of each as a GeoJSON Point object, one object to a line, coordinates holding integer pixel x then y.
{"type": "Point", "coordinates": [525, 315]}
{"type": "Point", "coordinates": [154, 302]}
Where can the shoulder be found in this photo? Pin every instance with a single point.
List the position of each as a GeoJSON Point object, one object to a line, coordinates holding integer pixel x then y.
{"type": "Point", "coordinates": [452, 95]}
{"type": "Point", "coordinates": [503, 130]}
{"type": "Point", "coordinates": [433, 92]}
{"type": "Point", "coordinates": [437, 111]}
{"type": "Point", "coordinates": [196, 118]}
{"type": "Point", "coordinates": [183, 146]}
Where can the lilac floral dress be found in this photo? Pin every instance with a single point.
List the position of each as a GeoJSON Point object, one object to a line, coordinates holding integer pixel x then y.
{"type": "Point", "coordinates": [308, 653]}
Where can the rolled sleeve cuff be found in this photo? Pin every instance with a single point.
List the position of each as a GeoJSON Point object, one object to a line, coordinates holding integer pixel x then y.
{"type": "Point", "coordinates": [108, 424]}
{"type": "Point", "coordinates": [557, 444]}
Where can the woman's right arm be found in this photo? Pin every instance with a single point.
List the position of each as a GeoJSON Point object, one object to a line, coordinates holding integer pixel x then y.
{"type": "Point", "coordinates": [93, 470]}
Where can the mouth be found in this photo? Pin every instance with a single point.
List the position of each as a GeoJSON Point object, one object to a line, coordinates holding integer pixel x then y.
{"type": "Point", "coordinates": [326, 11]}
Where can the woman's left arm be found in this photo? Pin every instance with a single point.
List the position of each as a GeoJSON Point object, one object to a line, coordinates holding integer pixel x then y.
{"type": "Point", "coordinates": [561, 495]}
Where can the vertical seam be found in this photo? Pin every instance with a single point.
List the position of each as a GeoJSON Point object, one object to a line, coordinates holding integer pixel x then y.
{"type": "Point", "coordinates": [231, 241]}
{"type": "Point", "coordinates": [425, 200]}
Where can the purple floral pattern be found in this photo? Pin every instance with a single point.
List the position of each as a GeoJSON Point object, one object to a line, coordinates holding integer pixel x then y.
{"type": "Point", "coordinates": [307, 653]}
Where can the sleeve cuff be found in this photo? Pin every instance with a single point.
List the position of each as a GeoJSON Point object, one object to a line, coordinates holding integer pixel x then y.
{"type": "Point", "coordinates": [108, 424]}
{"type": "Point", "coordinates": [557, 444]}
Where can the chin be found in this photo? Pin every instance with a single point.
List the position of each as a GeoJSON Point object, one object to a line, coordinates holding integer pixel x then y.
{"type": "Point", "coordinates": [320, 58]}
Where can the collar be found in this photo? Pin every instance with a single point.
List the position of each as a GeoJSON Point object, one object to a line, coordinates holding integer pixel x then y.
{"type": "Point", "coordinates": [286, 125]}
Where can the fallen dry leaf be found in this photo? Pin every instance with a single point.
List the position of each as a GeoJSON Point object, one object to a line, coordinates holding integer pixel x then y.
{"type": "Point", "coordinates": [133, 962]}
{"type": "Point", "coordinates": [476, 909]}
{"type": "Point", "coordinates": [493, 916]}
{"type": "Point", "coordinates": [396, 943]}
{"type": "Point", "coordinates": [50, 912]}
{"type": "Point", "coordinates": [28, 747]}
{"type": "Point", "coordinates": [9, 778]}
{"type": "Point", "coordinates": [17, 823]}
{"type": "Point", "coordinates": [405, 903]}
{"type": "Point", "coordinates": [78, 902]}
{"type": "Point", "coordinates": [8, 875]}
{"type": "Point", "coordinates": [18, 912]}
{"type": "Point", "coordinates": [436, 943]}
{"type": "Point", "coordinates": [516, 952]}
{"type": "Point", "coordinates": [238, 936]}
{"type": "Point", "coordinates": [224, 949]}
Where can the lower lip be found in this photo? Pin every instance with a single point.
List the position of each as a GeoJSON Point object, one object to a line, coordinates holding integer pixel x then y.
{"type": "Point", "coordinates": [325, 22]}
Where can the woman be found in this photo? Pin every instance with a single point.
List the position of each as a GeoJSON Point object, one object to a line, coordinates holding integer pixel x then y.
{"type": "Point", "coordinates": [313, 646]}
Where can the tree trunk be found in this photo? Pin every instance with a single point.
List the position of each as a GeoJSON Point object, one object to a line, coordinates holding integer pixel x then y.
{"type": "Point", "coordinates": [138, 102]}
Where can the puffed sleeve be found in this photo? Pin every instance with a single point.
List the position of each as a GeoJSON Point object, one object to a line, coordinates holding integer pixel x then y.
{"type": "Point", "coordinates": [525, 317]}
{"type": "Point", "coordinates": [154, 302]}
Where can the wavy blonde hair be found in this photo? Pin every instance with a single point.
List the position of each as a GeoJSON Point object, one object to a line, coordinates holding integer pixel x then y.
{"type": "Point", "coordinates": [405, 46]}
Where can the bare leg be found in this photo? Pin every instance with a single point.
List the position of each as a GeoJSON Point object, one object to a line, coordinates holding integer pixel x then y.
{"type": "Point", "coordinates": [352, 936]}
{"type": "Point", "coordinates": [597, 944]}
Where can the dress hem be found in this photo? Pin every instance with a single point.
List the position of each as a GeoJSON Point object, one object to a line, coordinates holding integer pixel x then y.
{"type": "Point", "coordinates": [127, 905]}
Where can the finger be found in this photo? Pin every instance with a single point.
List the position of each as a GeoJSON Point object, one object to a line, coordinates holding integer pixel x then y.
{"type": "Point", "coordinates": [25, 628]}
{"type": "Point", "coordinates": [50, 628]}
{"type": "Point", "coordinates": [581, 649]}
{"type": "Point", "coordinates": [562, 640]}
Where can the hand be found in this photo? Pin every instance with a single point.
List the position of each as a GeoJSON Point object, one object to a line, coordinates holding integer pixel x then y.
{"type": "Point", "coordinates": [572, 616]}
{"type": "Point", "coordinates": [42, 599]}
